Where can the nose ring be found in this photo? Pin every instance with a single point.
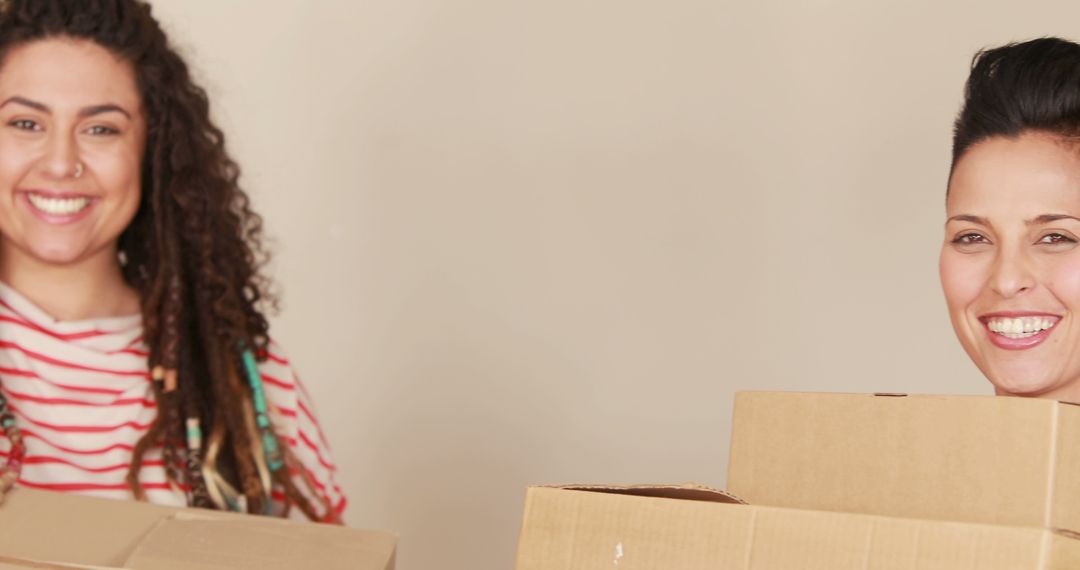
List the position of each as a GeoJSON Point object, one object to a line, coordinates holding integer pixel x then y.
{"type": "Point", "coordinates": [78, 169]}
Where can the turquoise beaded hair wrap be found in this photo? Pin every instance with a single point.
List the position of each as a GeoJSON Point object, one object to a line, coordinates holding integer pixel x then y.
{"type": "Point", "coordinates": [275, 459]}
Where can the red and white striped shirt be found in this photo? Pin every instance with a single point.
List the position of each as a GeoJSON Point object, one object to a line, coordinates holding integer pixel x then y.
{"type": "Point", "coordinates": [81, 395]}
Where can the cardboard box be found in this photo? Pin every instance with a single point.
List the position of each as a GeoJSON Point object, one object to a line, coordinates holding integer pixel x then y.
{"type": "Point", "coordinates": [984, 459]}
{"type": "Point", "coordinates": [570, 529]}
{"type": "Point", "coordinates": [40, 529]}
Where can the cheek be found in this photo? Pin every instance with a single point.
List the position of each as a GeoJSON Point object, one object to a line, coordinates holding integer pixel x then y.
{"type": "Point", "coordinates": [15, 161]}
{"type": "Point", "coordinates": [1063, 279]}
{"type": "Point", "coordinates": [962, 278]}
{"type": "Point", "coordinates": [119, 174]}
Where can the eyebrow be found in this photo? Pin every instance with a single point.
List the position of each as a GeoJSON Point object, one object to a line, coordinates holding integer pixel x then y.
{"type": "Point", "coordinates": [83, 113]}
{"type": "Point", "coordinates": [1042, 219]}
{"type": "Point", "coordinates": [960, 218]}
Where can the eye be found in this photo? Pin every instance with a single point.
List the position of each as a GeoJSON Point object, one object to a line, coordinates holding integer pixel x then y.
{"type": "Point", "coordinates": [970, 238]}
{"type": "Point", "coordinates": [25, 125]}
{"type": "Point", "coordinates": [101, 130]}
{"type": "Point", "coordinates": [1056, 238]}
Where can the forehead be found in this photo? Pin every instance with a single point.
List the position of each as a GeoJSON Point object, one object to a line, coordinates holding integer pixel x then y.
{"type": "Point", "coordinates": [64, 72]}
{"type": "Point", "coordinates": [1016, 178]}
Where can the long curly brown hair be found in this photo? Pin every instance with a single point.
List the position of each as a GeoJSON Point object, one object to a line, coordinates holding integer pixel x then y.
{"type": "Point", "coordinates": [193, 252]}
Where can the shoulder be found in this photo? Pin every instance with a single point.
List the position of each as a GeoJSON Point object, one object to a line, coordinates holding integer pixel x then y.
{"type": "Point", "coordinates": [291, 407]}
{"type": "Point", "coordinates": [282, 389]}
{"type": "Point", "coordinates": [276, 369]}
{"type": "Point", "coordinates": [293, 414]}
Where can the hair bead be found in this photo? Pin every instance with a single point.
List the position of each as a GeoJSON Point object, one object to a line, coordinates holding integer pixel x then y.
{"type": "Point", "coordinates": [275, 460]}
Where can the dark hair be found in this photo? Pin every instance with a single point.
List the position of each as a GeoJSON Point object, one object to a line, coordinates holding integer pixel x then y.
{"type": "Point", "coordinates": [192, 252]}
{"type": "Point", "coordinates": [1018, 88]}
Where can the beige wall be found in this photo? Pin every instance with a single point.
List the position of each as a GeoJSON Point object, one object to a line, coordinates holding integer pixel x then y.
{"type": "Point", "coordinates": [545, 241]}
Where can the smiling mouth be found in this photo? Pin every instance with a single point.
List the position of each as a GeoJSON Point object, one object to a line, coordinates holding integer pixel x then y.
{"type": "Point", "coordinates": [1020, 327]}
{"type": "Point", "coordinates": [57, 206]}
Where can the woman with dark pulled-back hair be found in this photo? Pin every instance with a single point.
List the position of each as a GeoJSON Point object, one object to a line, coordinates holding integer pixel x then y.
{"type": "Point", "coordinates": [1010, 264]}
{"type": "Point", "coordinates": [135, 359]}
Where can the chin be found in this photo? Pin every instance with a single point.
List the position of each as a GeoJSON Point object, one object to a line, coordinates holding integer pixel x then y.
{"type": "Point", "coordinates": [57, 254]}
{"type": "Point", "coordinates": [1030, 384]}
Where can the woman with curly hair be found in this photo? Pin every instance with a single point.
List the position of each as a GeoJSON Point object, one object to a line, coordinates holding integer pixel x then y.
{"type": "Point", "coordinates": [134, 352]}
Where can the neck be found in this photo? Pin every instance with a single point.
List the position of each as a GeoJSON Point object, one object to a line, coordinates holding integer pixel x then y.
{"type": "Point", "coordinates": [86, 289]}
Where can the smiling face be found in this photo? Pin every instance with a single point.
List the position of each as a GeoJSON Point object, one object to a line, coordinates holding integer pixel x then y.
{"type": "Point", "coordinates": [1010, 264]}
{"type": "Point", "coordinates": [72, 137]}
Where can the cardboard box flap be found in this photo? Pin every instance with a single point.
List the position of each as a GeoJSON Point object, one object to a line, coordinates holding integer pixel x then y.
{"type": "Point", "coordinates": [32, 519]}
{"type": "Point", "coordinates": [684, 491]}
{"type": "Point", "coordinates": [187, 541]}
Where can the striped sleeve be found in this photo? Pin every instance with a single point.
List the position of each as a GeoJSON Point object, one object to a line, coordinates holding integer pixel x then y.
{"type": "Point", "coordinates": [295, 421]}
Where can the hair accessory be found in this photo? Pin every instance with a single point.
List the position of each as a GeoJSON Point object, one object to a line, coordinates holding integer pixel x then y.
{"type": "Point", "coordinates": [269, 456]}
{"type": "Point", "coordinates": [274, 458]}
{"type": "Point", "coordinates": [194, 434]}
{"type": "Point", "coordinates": [224, 495]}
{"type": "Point", "coordinates": [170, 379]}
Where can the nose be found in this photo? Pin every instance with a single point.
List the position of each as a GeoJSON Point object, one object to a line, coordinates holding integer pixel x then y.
{"type": "Point", "coordinates": [61, 158]}
{"type": "Point", "coordinates": [1012, 274]}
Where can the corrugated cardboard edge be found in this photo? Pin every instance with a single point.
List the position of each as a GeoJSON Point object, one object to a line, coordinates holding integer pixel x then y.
{"type": "Point", "coordinates": [6, 562]}
{"type": "Point", "coordinates": [683, 491]}
{"type": "Point", "coordinates": [1065, 487]}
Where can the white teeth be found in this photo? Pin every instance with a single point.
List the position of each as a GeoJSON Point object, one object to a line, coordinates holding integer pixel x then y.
{"type": "Point", "coordinates": [1020, 327]}
{"type": "Point", "coordinates": [58, 206]}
